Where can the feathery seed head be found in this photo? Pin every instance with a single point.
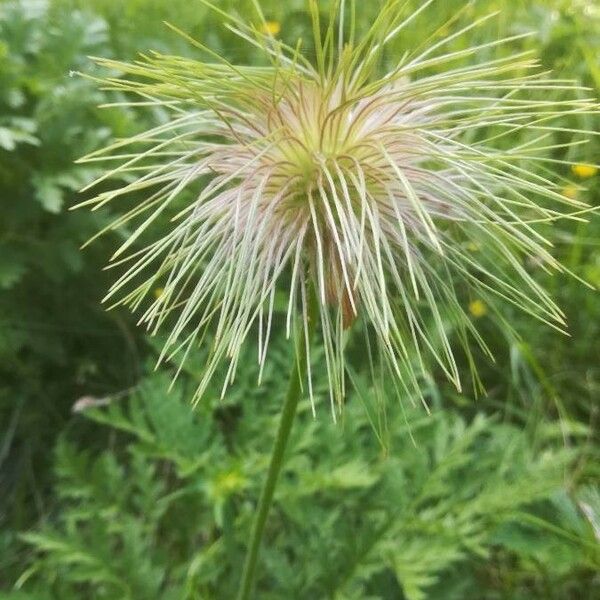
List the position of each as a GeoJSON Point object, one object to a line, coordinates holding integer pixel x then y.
{"type": "Point", "coordinates": [370, 190]}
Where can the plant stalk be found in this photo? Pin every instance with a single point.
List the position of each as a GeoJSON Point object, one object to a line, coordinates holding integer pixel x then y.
{"type": "Point", "coordinates": [286, 421]}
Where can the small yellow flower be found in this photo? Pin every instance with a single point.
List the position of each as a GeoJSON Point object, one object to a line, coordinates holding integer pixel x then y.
{"type": "Point", "coordinates": [584, 171]}
{"type": "Point", "coordinates": [477, 308]}
{"type": "Point", "coordinates": [271, 28]}
{"type": "Point", "coordinates": [228, 482]}
{"type": "Point", "coordinates": [158, 292]}
{"type": "Point", "coordinates": [473, 246]}
{"type": "Point", "coordinates": [570, 191]}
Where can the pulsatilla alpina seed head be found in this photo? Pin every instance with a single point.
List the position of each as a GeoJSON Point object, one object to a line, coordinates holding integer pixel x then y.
{"type": "Point", "coordinates": [394, 199]}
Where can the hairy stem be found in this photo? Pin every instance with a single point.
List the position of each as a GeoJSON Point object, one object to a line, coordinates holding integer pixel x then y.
{"type": "Point", "coordinates": [288, 414]}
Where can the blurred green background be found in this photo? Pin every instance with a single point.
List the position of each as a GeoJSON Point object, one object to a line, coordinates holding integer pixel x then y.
{"type": "Point", "coordinates": [488, 498]}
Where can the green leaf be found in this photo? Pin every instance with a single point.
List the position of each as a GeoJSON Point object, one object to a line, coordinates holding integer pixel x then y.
{"type": "Point", "coordinates": [7, 139]}
{"type": "Point", "coordinates": [48, 193]}
{"type": "Point", "coordinates": [11, 271]}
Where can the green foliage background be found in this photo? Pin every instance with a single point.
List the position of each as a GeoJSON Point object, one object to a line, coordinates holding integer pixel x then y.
{"type": "Point", "coordinates": [489, 497]}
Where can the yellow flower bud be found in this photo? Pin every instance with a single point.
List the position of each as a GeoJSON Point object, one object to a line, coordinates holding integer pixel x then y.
{"type": "Point", "coordinates": [570, 191]}
{"type": "Point", "coordinates": [271, 28]}
{"type": "Point", "coordinates": [477, 308]}
{"type": "Point", "coordinates": [584, 171]}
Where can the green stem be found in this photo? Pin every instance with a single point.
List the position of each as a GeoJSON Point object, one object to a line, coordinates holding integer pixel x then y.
{"type": "Point", "coordinates": [266, 498]}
